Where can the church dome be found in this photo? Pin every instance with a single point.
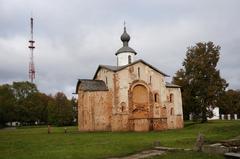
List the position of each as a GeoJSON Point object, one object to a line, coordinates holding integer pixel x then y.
{"type": "Point", "coordinates": [125, 38]}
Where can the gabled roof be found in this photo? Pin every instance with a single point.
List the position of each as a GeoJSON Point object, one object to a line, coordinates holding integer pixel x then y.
{"type": "Point", "coordinates": [91, 85]}
{"type": "Point", "coordinates": [118, 68]}
{"type": "Point", "coordinates": [170, 85]}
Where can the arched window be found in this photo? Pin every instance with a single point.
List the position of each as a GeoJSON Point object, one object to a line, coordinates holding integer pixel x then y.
{"type": "Point", "coordinates": [129, 59]}
{"type": "Point", "coordinates": [156, 98]}
{"type": "Point", "coordinates": [171, 98]}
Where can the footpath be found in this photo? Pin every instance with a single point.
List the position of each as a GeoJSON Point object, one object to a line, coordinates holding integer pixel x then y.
{"type": "Point", "coordinates": [150, 153]}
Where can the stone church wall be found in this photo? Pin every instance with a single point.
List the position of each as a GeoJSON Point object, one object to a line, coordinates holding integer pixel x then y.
{"type": "Point", "coordinates": [174, 108]}
{"type": "Point", "coordinates": [112, 110]}
{"type": "Point", "coordinates": [120, 122]}
{"type": "Point", "coordinates": [140, 72]}
{"type": "Point", "coordinates": [95, 111]}
{"type": "Point", "coordinates": [107, 77]}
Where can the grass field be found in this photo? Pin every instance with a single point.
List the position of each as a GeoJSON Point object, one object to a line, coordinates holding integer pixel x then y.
{"type": "Point", "coordinates": [35, 143]}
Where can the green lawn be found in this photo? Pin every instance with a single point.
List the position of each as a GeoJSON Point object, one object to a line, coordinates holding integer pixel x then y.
{"type": "Point", "coordinates": [25, 143]}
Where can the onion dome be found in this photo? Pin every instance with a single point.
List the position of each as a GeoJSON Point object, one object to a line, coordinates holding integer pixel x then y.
{"type": "Point", "coordinates": [125, 38]}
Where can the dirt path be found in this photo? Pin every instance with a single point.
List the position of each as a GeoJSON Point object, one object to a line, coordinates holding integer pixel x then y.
{"type": "Point", "coordinates": [143, 154]}
{"type": "Point", "coordinates": [149, 153]}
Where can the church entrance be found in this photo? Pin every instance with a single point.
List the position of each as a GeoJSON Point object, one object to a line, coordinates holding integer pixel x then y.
{"type": "Point", "coordinates": [140, 108]}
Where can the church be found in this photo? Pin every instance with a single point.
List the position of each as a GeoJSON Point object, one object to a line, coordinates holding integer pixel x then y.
{"type": "Point", "coordinates": [131, 96]}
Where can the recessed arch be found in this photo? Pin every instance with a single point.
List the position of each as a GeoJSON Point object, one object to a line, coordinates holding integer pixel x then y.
{"type": "Point", "coordinates": [140, 94]}
{"type": "Point", "coordinates": [138, 82]}
{"type": "Point", "coordinates": [139, 99]}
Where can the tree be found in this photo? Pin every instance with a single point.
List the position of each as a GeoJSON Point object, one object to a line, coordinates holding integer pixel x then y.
{"type": "Point", "coordinates": [60, 110]}
{"type": "Point", "coordinates": [187, 100]}
{"type": "Point", "coordinates": [42, 107]}
{"type": "Point", "coordinates": [201, 82]}
{"type": "Point", "coordinates": [74, 109]}
{"type": "Point", "coordinates": [22, 102]}
{"type": "Point", "coordinates": [230, 103]}
{"type": "Point", "coordinates": [7, 105]}
{"type": "Point", "coordinates": [37, 107]}
{"type": "Point", "coordinates": [23, 89]}
{"type": "Point", "coordinates": [25, 104]}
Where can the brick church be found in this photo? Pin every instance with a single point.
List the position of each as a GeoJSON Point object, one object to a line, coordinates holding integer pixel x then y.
{"type": "Point", "coordinates": [131, 96]}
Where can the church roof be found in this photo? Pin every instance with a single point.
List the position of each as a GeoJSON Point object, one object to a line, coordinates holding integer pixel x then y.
{"type": "Point", "coordinates": [125, 49]}
{"type": "Point", "coordinates": [110, 67]}
{"type": "Point", "coordinates": [170, 85]}
{"type": "Point", "coordinates": [91, 85]}
{"type": "Point", "coordinates": [119, 68]}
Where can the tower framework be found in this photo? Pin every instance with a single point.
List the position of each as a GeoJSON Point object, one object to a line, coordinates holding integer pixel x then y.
{"type": "Point", "coordinates": [31, 46]}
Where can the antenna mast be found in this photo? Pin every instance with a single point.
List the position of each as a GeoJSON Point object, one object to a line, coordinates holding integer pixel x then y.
{"type": "Point", "coordinates": [31, 47]}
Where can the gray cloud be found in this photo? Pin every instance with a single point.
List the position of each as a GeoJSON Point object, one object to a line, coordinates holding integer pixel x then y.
{"type": "Point", "coordinates": [73, 37]}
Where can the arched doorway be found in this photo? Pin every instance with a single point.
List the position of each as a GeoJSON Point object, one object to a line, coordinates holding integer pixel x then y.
{"type": "Point", "coordinates": [140, 107]}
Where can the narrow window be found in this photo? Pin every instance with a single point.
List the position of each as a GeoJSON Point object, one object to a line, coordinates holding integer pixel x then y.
{"type": "Point", "coordinates": [122, 108]}
{"type": "Point", "coordinates": [156, 98]}
{"type": "Point", "coordinates": [129, 59]}
{"type": "Point", "coordinates": [138, 72]}
{"type": "Point", "coordinates": [171, 98]}
{"type": "Point", "coordinates": [171, 112]}
{"type": "Point", "coordinates": [106, 80]}
{"type": "Point", "coordinates": [150, 79]}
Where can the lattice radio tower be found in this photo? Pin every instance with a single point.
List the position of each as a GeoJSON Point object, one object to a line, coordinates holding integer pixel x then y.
{"type": "Point", "coordinates": [31, 47]}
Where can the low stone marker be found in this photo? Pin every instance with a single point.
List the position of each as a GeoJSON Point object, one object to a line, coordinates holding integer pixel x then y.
{"type": "Point", "coordinates": [235, 117]}
{"type": "Point", "coordinates": [49, 129]}
{"type": "Point", "coordinates": [199, 143]}
{"type": "Point", "coordinates": [222, 116]}
{"type": "Point", "coordinates": [156, 143]}
{"type": "Point", "coordinates": [190, 116]}
{"type": "Point", "coordinates": [65, 130]}
{"type": "Point", "coordinates": [229, 117]}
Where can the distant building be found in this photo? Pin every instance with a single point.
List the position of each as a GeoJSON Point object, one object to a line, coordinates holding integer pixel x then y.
{"type": "Point", "coordinates": [215, 115]}
{"type": "Point", "coordinates": [132, 96]}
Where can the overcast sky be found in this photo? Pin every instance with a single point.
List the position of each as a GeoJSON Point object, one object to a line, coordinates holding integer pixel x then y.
{"type": "Point", "coordinates": [73, 37]}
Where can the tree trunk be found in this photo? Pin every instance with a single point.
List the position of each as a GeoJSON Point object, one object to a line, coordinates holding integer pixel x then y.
{"type": "Point", "coordinates": [204, 115]}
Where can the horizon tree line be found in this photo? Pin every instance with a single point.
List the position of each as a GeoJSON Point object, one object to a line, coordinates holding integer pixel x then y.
{"type": "Point", "coordinates": [22, 102]}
